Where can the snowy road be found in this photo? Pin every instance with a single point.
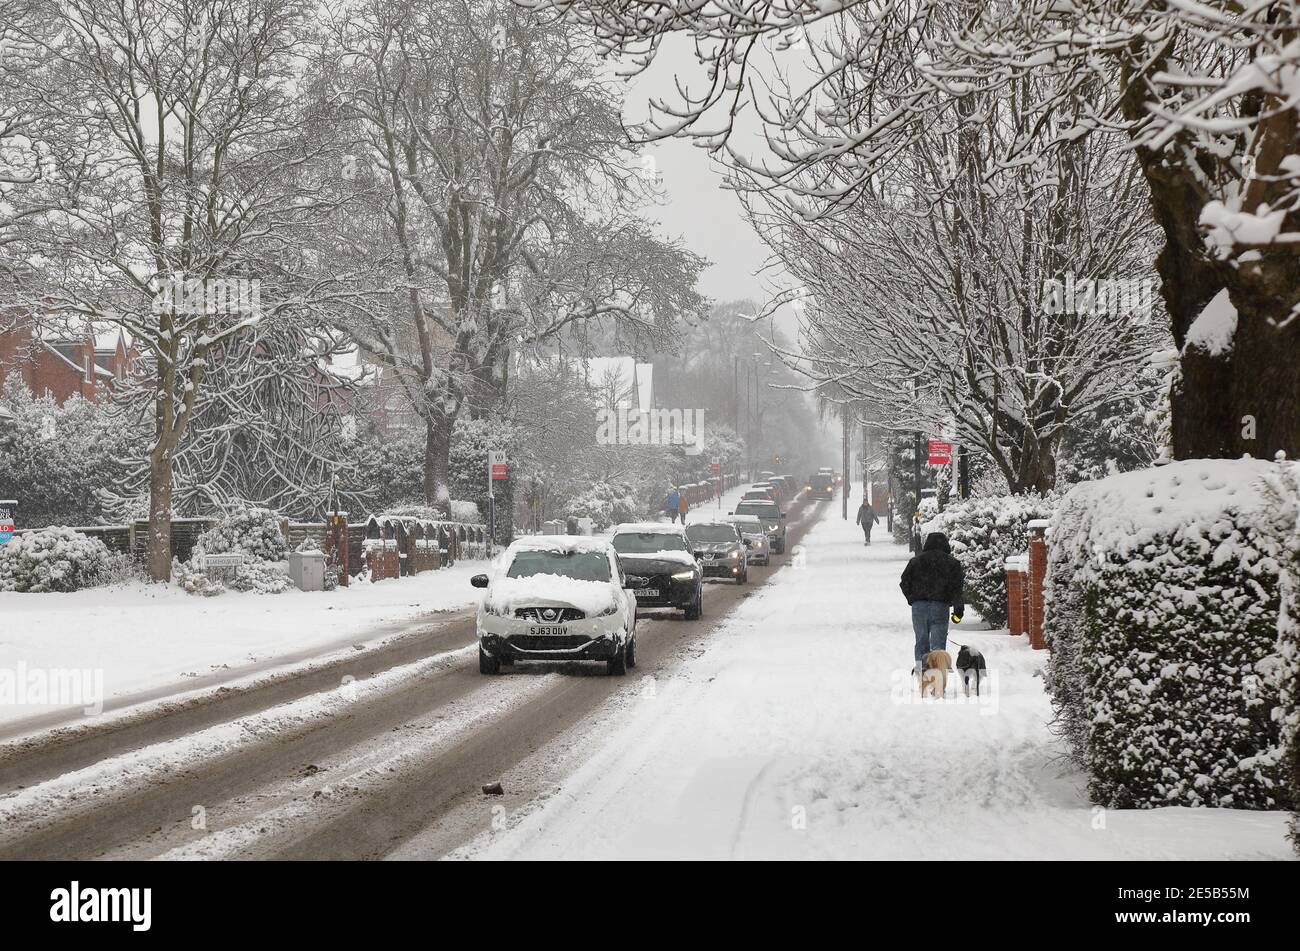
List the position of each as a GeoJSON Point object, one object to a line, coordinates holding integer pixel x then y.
{"type": "Point", "coordinates": [781, 725]}
{"type": "Point", "coordinates": [338, 762]}
{"type": "Point", "coordinates": [797, 734]}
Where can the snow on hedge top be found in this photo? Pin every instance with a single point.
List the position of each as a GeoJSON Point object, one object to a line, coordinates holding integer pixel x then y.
{"type": "Point", "coordinates": [1128, 510]}
{"type": "Point", "coordinates": [1213, 330]}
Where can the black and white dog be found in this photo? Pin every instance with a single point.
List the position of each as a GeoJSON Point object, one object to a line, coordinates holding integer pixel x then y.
{"type": "Point", "coordinates": [970, 667]}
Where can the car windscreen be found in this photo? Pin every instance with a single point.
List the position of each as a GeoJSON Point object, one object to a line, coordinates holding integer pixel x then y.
{"type": "Point", "coordinates": [580, 565]}
{"type": "Point", "coordinates": [710, 534]}
{"type": "Point", "coordinates": [761, 509]}
{"type": "Point", "coordinates": [643, 543]}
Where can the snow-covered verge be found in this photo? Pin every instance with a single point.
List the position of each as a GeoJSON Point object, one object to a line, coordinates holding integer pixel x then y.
{"type": "Point", "coordinates": [145, 637]}
{"type": "Point", "coordinates": [795, 733]}
{"type": "Point", "coordinates": [1162, 617]}
{"type": "Point", "coordinates": [984, 532]}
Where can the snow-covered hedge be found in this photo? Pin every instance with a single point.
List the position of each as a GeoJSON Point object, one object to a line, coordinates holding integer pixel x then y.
{"type": "Point", "coordinates": [1161, 615]}
{"type": "Point", "coordinates": [56, 559]}
{"type": "Point", "coordinates": [606, 504]}
{"type": "Point", "coordinates": [253, 532]}
{"type": "Point", "coordinates": [984, 532]}
{"type": "Point", "coordinates": [1284, 495]}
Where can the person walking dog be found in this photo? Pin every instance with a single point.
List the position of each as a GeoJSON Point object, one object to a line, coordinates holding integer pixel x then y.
{"type": "Point", "coordinates": [867, 517]}
{"type": "Point", "coordinates": [932, 583]}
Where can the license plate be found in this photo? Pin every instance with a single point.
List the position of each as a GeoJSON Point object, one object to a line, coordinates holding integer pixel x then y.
{"type": "Point", "coordinates": [647, 592]}
{"type": "Point", "coordinates": [547, 630]}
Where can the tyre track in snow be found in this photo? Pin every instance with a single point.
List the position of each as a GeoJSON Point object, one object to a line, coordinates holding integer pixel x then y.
{"type": "Point", "coordinates": [156, 819]}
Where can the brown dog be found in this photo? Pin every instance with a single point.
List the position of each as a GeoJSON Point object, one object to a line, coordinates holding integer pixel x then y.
{"type": "Point", "coordinates": [934, 673]}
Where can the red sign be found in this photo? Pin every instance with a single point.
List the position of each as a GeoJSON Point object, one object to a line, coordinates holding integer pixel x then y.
{"type": "Point", "coordinates": [497, 465]}
{"type": "Point", "coordinates": [499, 473]}
{"type": "Point", "coordinates": [940, 452]}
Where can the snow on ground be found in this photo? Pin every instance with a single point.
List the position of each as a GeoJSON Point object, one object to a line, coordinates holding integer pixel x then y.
{"type": "Point", "coordinates": [153, 637]}
{"type": "Point", "coordinates": [797, 734]}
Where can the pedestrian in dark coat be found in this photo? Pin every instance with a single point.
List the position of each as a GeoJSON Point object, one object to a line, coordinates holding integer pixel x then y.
{"type": "Point", "coordinates": [933, 583]}
{"type": "Point", "coordinates": [867, 517]}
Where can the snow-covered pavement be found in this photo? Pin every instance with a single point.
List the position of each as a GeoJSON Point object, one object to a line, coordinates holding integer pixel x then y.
{"type": "Point", "coordinates": [797, 734]}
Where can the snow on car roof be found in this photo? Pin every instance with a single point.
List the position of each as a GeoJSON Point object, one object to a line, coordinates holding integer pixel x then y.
{"type": "Point", "coordinates": [641, 528]}
{"type": "Point", "coordinates": [560, 543]}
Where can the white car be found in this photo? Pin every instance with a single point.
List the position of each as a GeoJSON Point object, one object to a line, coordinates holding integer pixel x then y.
{"type": "Point", "coordinates": [556, 597]}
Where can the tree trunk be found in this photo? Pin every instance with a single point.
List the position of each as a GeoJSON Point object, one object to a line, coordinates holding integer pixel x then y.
{"type": "Point", "coordinates": [437, 461]}
{"type": "Point", "coordinates": [1245, 401]}
{"type": "Point", "coordinates": [159, 548]}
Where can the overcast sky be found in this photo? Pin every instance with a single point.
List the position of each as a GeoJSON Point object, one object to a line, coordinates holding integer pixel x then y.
{"type": "Point", "coordinates": [696, 207]}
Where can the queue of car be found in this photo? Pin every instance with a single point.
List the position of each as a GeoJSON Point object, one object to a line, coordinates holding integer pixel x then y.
{"type": "Point", "coordinates": [576, 597]}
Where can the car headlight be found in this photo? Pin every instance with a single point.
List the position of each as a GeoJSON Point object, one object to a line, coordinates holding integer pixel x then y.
{"type": "Point", "coordinates": [684, 576]}
{"type": "Point", "coordinates": [611, 609]}
{"type": "Point", "coordinates": [489, 608]}
{"type": "Point", "coordinates": [734, 553]}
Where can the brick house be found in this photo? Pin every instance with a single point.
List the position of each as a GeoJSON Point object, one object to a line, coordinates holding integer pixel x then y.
{"type": "Point", "coordinates": [60, 365]}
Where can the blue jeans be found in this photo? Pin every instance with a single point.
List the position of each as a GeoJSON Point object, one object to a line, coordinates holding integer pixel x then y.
{"type": "Point", "coordinates": [930, 621]}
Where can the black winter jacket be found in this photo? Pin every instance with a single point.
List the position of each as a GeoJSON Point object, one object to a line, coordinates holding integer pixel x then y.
{"type": "Point", "coordinates": [935, 575]}
{"type": "Point", "coordinates": [867, 515]}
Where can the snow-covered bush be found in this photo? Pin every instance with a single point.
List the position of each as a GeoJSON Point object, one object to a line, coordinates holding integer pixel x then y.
{"type": "Point", "coordinates": [463, 510]}
{"type": "Point", "coordinates": [195, 581]}
{"type": "Point", "coordinates": [606, 504]}
{"type": "Point", "coordinates": [1161, 614]}
{"type": "Point", "coordinates": [64, 464]}
{"type": "Point", "coordinates": [261, 577]}
{"type": "Point", "coordinates": [253, 532]}
{"type": "Point", "coordinates": [56, 559]}
{"type": "Point", "coordinates": [984, 532]}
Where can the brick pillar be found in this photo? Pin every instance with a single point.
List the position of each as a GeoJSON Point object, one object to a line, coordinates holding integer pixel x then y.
{"type": "Point", "coordinates": [336, 543]}
{"type": "Point", "coordinates": [1037, 572]}
{"type": "Point", "coordinates": [412, 554]}
{"type": "Point", "coordinates": [1015, 596]}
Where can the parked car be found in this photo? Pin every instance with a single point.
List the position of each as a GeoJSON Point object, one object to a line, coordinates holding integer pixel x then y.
{"type": "Point", "coordinates": [720, 550]}
{"type": "Point", "coordinates": [751, 530]}
{"type": "Point", "coordinates": [556, 597]}
{"type": "Point", "coordinates": [772, 518]}
{"type": "Point", "coordinates": [764, 476]}
{"type": "Point", "coordinates": [661, 567]}
{"type": "Point", "coordinates": [821, 485]}
{"type": "Point", "coordinates": [762, 495]}
{"type": "Point", "coordinates": [779, 485]}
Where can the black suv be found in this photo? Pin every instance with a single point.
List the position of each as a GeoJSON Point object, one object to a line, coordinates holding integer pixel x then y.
{"type": "Point", "coordinates": [660, 566]}
{"type": "Point", "coordinates": [821, 485]}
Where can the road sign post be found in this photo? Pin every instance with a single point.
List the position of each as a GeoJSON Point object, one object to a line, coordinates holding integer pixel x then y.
{"type": "Point", "coordinates": [715, 469]}
{"type": "Point", "coordinates": [497, 470]}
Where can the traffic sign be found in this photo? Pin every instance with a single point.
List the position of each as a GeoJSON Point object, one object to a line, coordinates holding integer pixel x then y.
{"type": "Point", "coordinates": [940, 452]}
{"type": "Point", "coordinates": [497, 466]}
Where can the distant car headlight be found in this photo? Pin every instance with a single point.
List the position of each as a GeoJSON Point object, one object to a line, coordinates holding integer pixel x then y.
{"type": "Point", "coordinates": [611, 609]}
{"type": "Point", "coordinates": [684, 576]}
{"type": "Point", "coordinates": [734, 553]}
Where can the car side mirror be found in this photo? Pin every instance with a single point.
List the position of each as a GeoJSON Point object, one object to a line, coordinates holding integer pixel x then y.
{"type": "Point", "coordinates": [748, 544]}
{"type": "Point", "coordinates": [731, 513]}
{"type": "Point", "coordinates": [479, 581]}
